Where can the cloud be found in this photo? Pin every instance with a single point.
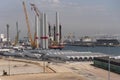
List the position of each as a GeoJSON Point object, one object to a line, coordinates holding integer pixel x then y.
{"type": "Point", "coordinates": [55, 1]}
{"type": "Point", "coordinates": [51, 1]}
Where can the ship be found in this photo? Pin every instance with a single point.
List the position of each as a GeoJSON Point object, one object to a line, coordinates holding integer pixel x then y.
{"type": "Point", "coordinates": [56, 47]}
{"type": "Point", "coordinates": [56, 37]}
{"type": "Point", "coordinates": [60, 46]}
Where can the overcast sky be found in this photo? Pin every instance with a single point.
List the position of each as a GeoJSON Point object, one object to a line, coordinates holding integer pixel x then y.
{"type": "Point", "coordinates": [81, 17]}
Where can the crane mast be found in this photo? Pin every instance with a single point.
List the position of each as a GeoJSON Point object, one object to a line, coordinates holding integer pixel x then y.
{"type": "Point", "coordinates": [28, 26]}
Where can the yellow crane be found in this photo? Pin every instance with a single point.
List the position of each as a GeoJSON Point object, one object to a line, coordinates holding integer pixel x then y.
{"type": "Point", "coordinates": [28, 26]}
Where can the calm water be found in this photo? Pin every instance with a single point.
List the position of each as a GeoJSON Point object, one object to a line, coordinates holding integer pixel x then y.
{"type": "Point", "coordinates": [107, 50]}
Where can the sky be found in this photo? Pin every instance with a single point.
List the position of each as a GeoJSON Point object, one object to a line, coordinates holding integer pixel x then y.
{"type": "Point", "coordinates": [81, 17]}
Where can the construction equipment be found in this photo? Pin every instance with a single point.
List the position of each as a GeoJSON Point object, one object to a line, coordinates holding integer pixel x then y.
{"type": "Point", "coordinates": [28, 26]}
{"type": "Point", "coordinates": [33, 6]}
{"type": "Point", "coordinates": [37, 18]}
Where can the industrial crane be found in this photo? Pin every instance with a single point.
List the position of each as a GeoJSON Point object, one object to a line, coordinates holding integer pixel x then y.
{"type": "Point", "coordinates": [33, 6]}
{"type": "Point", "coordinates": [37, 13]}
{"type": "Point", "coordinates": [28, 26]}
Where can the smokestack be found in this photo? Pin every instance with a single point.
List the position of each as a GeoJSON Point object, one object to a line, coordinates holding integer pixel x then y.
{"type": "Point", "coordinates": [57, 28]}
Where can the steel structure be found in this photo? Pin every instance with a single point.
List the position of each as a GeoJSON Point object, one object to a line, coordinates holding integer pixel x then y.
{"type": "Point", "coordinates": [28, 26]}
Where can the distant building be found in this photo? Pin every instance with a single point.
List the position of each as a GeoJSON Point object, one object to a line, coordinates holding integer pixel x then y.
{"type": "Point", "coordinates": [86, 39]}
{"type": "Point", "coordinates": [107, 42]}
{"type": "Point", "coordinates": [2, 38]}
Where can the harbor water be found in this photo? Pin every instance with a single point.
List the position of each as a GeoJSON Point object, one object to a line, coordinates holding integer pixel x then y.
{"type": "Point", "coordinates": [115, 51]}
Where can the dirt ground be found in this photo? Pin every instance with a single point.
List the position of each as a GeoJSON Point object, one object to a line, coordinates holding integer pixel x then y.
{"type": "Point", "coordinates": [44, 76]}
{"type": "Point", "coordinates": [89, 72]}
{"type": "Point", "coordinates": [55, 71]}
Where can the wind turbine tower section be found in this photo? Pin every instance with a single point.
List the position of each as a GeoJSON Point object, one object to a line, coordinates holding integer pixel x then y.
{"type": "Point", "coordinates": [57, 28]}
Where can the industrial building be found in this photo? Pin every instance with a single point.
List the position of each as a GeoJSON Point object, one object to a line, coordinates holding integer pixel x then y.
{"type": "Point", "coordinates": [107, 42]}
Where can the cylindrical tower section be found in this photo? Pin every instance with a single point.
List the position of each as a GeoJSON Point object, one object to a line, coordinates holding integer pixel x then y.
{"type": "Point", "coordinates": [46, 31]}
{"type": "Point", "coordinates": [17, 28]}
{"type": "Point", "coordinates": [49, 30]}
{"type": "Point", "coordinates": [50, 35]}
{"type": "Point", "coordinates": [17, 33]}
{"type": "Point", "coordinates": [37, 32]}
{"type": "Point", "coordinates": [7, 34]}
{"type": "Point", "coordinates": [60, 28]}
{"type": "Point", "coordinates": [41, 24]}
{"type": "Point", "coordinates": [54, 32]}
{"type": "Point", "coordinates": [57, 28]}
{"type": "Point", "coordinates": [42, 32]}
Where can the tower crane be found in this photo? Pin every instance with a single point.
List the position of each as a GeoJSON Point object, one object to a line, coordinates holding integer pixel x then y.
{"type": "Point", "coordinates": [28, 26]}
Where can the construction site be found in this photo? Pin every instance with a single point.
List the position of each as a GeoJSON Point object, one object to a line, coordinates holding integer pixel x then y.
{"type": "Point", "coordinates": [20, 69]}
{"type": "Point", "coordinates": [47, 39]}
{"type": "Point", "coordinates": [36, 59]}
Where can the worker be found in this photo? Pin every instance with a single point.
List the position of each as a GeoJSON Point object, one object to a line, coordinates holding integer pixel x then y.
{"type": "Point", "coordinates": [4, 73]}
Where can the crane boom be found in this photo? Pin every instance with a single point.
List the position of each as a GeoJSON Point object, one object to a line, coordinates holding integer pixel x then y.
{"type": "Point", "coordinates": [28, 26]}
{"type": "Point", "coordinates": [36, 9]}
{"type": "Point", "coordinates": [37, 17]}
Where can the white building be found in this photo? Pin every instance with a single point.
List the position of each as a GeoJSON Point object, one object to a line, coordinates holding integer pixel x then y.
{"type": "Point", "coordinates": [3, 38]}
